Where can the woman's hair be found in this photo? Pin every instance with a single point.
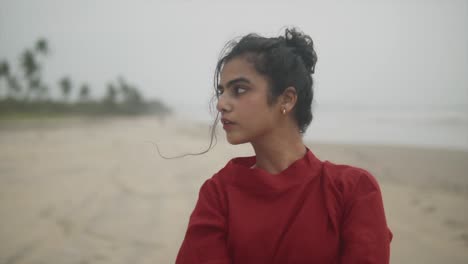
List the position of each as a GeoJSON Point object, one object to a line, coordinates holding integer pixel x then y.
{"type": "Point", "coordinates": [285, 61]}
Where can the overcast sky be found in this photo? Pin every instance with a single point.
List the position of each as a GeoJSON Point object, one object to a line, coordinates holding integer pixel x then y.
{"type": "Point", "coordinates": [369, 52]}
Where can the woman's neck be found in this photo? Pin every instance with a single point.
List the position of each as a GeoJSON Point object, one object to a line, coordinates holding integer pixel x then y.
{"type": "Point", "coordinates": [277, 151]}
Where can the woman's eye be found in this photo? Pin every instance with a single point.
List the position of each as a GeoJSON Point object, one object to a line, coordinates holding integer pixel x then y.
{"type": "Point", "coordinates": [240, 90]}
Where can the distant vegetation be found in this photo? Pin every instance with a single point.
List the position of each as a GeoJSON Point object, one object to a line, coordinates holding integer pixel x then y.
{"type": "Point", "coordinates": [25, 92]}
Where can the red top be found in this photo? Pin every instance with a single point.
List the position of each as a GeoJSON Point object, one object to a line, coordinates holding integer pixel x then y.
{"type": "Point", "coordinates": [312, 212]}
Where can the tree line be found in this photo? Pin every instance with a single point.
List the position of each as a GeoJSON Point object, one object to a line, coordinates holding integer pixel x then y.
{"type": "Point", "coordinates": [27, 92]}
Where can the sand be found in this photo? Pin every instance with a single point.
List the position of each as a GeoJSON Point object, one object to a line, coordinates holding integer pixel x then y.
{"type": "Point", "coordinates": [95, 190]}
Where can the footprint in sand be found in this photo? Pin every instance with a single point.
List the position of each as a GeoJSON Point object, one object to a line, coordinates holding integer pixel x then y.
{"type": "Point", "coordinates": [464, 237]}
{"type": "Point", "coordinates": [454, 224]}
{"type": "Point", "coordinates": [415, 201]}
{"type": "Point", "coordinates": [66, 225]}
{"type": "Point", "coordinates": [46, 212]}
{"type": "Point", "coordinates": [429, 209]}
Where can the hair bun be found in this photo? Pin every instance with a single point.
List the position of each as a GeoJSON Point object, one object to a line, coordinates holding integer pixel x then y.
{"type": "Point", "coordinates": [303, 46]}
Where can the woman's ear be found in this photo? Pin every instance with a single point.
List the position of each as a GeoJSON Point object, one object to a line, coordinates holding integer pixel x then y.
{"type": "Point", "coordinates": [289, 98]}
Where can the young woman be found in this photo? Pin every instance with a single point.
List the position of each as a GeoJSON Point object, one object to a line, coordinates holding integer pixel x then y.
{"type": "Point", "coordinates": [282, 205]}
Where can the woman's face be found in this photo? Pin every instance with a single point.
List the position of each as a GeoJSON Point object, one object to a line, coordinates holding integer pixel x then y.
{"type": "Point", "coordinates": [243, 100]}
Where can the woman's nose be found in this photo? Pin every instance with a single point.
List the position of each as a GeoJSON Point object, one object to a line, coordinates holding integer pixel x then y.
{"type": "Point", "coordinates": [223, 105]}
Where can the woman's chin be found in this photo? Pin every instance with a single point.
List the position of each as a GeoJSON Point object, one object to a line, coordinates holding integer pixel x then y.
{"type": "Point", "coordinates": [235, 141]}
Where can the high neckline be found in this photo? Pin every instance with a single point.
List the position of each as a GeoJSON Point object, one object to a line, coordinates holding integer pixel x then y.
{"type": "Point", "coordinates": [259, 180]}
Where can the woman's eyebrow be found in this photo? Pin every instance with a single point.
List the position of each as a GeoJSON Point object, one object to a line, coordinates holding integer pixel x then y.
{"type": "Point", "coordinates": [234, 81]}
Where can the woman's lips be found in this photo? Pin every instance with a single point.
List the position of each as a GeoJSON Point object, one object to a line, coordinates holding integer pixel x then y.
{"type": "Point", "coordinates": [227, 124]}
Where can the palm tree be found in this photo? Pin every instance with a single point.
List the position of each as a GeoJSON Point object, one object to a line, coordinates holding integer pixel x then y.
{"type": "Point", "coordinates": [4, 68]}
{"type": "Point", "coordinates": [30, 68]}
{"type": "Point", "coordinates": [4, 71]}
{"type": "Point", "coordinates": [35, 84]}
{"type": "Point", "coordinates": [111, 94]}
{"type": "Point", "coordinates": [66, 86]}
{"type": "Point", "coordinates": [14, 86]}
{"type": "Point", "coordinates": [43, 92]}
{"type": "Point", "coordinates": [130, 93]}
{"type": "Point", "coordinates": [124, 88]}
{"type": "Point", "coordinates": [84, 93]}
{"type": "Point", "coordinates": [134, 97]}
{"type": "Point", "coordinates": [29, 63]}
{"type": "Point", "coordinates": [42, 46]}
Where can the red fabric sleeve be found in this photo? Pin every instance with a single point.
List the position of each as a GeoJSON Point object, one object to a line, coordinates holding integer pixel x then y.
{"type": "Point", "coordinates": [365, 235]}
{"type": "Point", "coordinates": [205, 239]}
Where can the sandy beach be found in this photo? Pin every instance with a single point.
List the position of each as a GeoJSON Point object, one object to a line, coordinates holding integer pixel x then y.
{"type": "Point", "coordinates": [96, 191]}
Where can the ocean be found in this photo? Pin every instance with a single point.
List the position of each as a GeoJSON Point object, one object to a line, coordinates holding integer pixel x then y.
{"type": "Point", "coordinates": [433, 127]}
{"type": "Point", "coordinates": [421, 127]}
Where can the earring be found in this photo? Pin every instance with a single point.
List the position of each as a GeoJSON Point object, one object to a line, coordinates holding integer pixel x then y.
{"type": "Point", "coordinates": [284, 111]}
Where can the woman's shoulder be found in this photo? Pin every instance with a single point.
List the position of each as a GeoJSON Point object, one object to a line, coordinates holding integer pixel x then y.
{"type": "Point", "coordinates": [224, 174]}
{"type": "Point", "coordinates": [233, 166]}
{"type": "Point", "coordinates": [349, 180]}
{"type": "Point", "coordinates": [216, 185]}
